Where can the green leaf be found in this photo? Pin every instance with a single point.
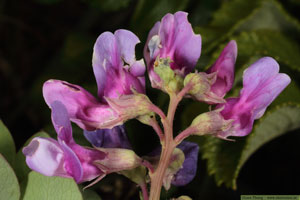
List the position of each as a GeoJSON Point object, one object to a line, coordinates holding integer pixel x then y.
{"type": "Point", "coordinates": [225, 159]}
{"type": "Point", "coordinates": [9, 186]}
{"type": "Point", "coordinates": [7, 145]}
{"type": "Point", "coordinates": [48, 188]}
{"type": "Point", "coordinates": [20, 165]}
{"type": "Point", "coordinates": [90, 195]}
{"type": "Point", "coordinates": [237, 16]}
{"type": "Point", "coordinates": [269, 43]}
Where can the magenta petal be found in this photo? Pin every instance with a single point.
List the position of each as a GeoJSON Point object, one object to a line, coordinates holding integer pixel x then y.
{"type": "Point", "coordinates": [45, 156]}
{"type": "Point", "coordinates": [61, 122]}
{"type": "Point", "coordinates": [179, 42]}
{"type": "Point", "coordinates": [82, 107]}
{"type": "Point", "coordinates": [72, 163]}
{"type": "Point", "coordinates": [87, 156]}
{"type": "Point", "coordinates": [224, 66]}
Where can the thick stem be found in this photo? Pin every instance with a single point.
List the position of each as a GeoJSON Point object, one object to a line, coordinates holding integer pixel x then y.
{"type": "Point", "coordinates": [168, 145]}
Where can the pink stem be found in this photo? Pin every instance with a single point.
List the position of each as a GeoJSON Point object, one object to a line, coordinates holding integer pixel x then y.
{"type": "Point", "coordinates": [184, 134]}
{"type": "Point", "coordinates": [157, 129]}
{"type": "Point", "coordinates": [143, 187]}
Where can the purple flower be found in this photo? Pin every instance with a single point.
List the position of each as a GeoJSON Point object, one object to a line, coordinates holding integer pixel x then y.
{"type": "Point", "coordinates": [172, 38]}
{"type": "Point", "coordinates": [189, 167]}
{"type": "Point", "coordinates": [224, 69]}
{"type": "Point", "coordinates": [261, 85]}
{"type": "Point", "coordinates": [117, 73]}
{"type": "Point", "coordinates": [63, 157]}
{"type": "Point", "coordinates": [108, 138]}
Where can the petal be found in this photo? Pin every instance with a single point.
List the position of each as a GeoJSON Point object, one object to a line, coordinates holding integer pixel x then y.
{"type": "Point", "coordinates": [241, 113]}
{"type": "Point", "coordinates": [87, 157]}
{"type": "Point", "coordinates": [262, 84]}
{"type": "Point", "coordinates": [45, 156]}
{"type": "Point", "coordinates": [147, 54]}
{"type": "Point", "coordinates": [108, 138]}
{"type": "Point", "coordinates": [224, 66]}
{"type": "Point", "coordinates": [82, 107]}
{"type": "Point", "coordinates": [179, 42]}
{"type": "Point", "coordinates": [110, 51]}
{"type": "Point", "coordinates": [126, 42]}
{"type": "Point", "coordinates": [189, 168]}
{"type": "Point", "coordinates": [61, 122]}
{"type": "Point", "coordinates": [106, 56]}
{"type": "Point", "coordinates": [72, 163]}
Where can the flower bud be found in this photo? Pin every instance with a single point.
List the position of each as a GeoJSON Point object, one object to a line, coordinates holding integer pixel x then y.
{"type": "Point", "coordinates": [117, 160]}
{"type": "Point", "coordinates": [210, 123]}
{"type": "Point", "coordinates": [132, 106]}
{"type": "Point", "coordinates": [200, 84]}
{"type": "Point", "coordinates": [170, 80]}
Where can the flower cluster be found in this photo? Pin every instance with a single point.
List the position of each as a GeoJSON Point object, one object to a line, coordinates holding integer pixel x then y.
{"type": "Point", "coordinates": [171, 52]}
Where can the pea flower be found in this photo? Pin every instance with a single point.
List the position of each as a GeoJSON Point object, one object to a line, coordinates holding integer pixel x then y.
{"type": "Point", "coordinates": [67, 159]}
{"type": "Point", "coordinates": [171, 42]}
{"type": "Point", "coordinates": [262, 83]}
{"type": "Point", "coordinates": [63, 157]}
{"type": "Point", "coordinates": [117, 73]}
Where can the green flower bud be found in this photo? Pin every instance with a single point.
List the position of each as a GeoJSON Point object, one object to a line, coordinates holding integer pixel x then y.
{"type": "Point", "coordinates": [172, 82]}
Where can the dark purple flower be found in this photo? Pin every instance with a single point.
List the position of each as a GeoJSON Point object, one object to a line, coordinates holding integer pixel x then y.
{"type": "Point", "coordinates": [108, 138]}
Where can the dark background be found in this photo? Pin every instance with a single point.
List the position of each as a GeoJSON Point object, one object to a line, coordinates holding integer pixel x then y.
{"type": "Point", "coordinates": [44, 39]}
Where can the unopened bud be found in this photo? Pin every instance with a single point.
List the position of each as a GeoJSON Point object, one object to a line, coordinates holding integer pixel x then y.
{"type": "Point", "coordinates": [200, 84]}
{"type": "Point", "coordinates": [132, 106]}
{"type": "Point", "coordinates": [171, 81]}
{"type": "Point", "coordinates": [210, 123]}
{"type": "Point", "coordinates": [117, 160]}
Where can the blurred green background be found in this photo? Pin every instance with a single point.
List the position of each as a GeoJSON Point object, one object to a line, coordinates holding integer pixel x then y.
{"type": "Point", "coordinates": [45, 39]}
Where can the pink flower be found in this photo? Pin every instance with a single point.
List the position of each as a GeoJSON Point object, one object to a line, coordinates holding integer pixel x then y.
{"type": "Point", "coordinates": [262, 83]}
{"type": "Point", "coordinates": [172, 38]}
{"type": "Point", "coordinates": [63, 157]}
{"type": "Point", "coordinates": [224, 67]}
{"type": "Point", "coordinates": [117, 73]}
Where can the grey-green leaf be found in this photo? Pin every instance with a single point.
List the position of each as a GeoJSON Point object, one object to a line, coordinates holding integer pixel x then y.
{"type": "Point", "coordinates": [225, 159]}
{"type": "Point", "coordinates": [9, 186]}
{"type": "Point", "coordinates": [51, 188]}
{"type": "Point", "coordinates": [7, 145]}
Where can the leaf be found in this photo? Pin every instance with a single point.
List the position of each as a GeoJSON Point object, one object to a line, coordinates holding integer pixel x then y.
{"type": "Point", "coordinates": [237, 16]}
{"type": "Point", "coordinates": [225, 159]}
{"type": "Point", "coordinates": [269, 43]}
{"type": "Point", "coordinates": [7, 145]}
{"type": "Point", "coordinates": [9, 186]}
{"type": "Point", "coordinates": [109, 5]}
{"type": "Point", "coordinates": [20, 165]}
{"type": "Point", "coordinates": [48, 188]}
{"type": "Point", "coordinates": [90, 195]}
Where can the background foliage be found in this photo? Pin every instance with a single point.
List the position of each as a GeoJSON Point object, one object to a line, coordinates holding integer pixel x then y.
{"type": "Point", "coordinates": [43, 39]}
